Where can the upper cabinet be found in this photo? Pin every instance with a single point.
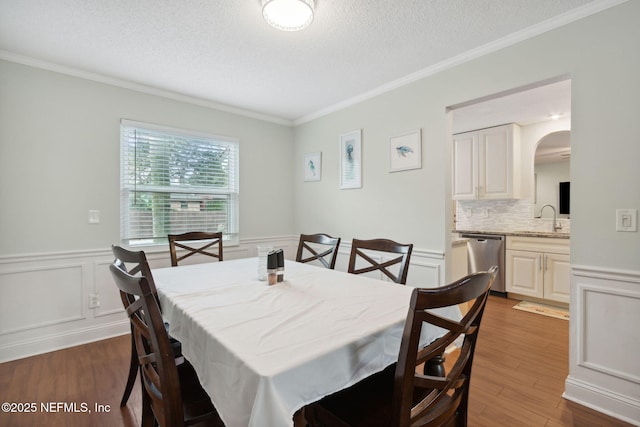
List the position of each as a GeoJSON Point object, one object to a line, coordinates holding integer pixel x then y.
{"type": "Point", "coordinates": [486, 163]}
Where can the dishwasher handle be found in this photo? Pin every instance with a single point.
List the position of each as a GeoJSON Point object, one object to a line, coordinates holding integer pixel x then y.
{"type": "Point", "coordinates": [482, 237]}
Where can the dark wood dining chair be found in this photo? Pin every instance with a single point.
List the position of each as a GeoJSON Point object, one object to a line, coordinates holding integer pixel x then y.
{"type": "Point", "coordinates": [384, 248]}
{"type": "Point", "coordinates": [320, 247]}
{"type": "Point", "coordinates": [172, 393]}
{"type": "Point", "coordinates": [401, 395]}
{"type": "Point", "coordinates": [135, 263]}
{"type": "Point", "coordinates": [195, 242]}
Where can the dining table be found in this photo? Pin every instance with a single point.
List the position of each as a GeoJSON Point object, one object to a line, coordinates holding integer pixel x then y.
{"type": "Point", "coordinates": [262, 352]}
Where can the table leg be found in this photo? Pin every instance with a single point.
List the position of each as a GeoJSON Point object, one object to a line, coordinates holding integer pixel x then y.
{"type": "Point", "coordinates": [435, 366]}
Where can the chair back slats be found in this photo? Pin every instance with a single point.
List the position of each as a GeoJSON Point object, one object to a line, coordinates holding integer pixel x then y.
{"type": "Point", "coordinates": [318, 247]}
{"type": "Point", "coordinates": [445, 394]}
{"type": "Point", "coordinates": [155, 354]}
{"type": "Point", "coordinates": [195, 242]}
{"type": "Point", "coordinates": [417, 394]}
{"type": "Point", "coordinates": [362, 250]}
{"type": "Point", "coordinates": [429, 381]}
{"type": "Point", "coordinates": [134, 263]}
{"type": "Point", "coordinates": [133, 305]}
{"type": "Point", "coordinates": [316, 255]}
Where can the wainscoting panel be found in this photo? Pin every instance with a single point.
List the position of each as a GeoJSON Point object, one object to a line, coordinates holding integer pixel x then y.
{"type": "Point", "coordinates": [604, 372]}
{"type": "Point", "coordinates": [44, 302]}
{"type": "Point", "coordinates": [35, 297]}
{"type": "Point", "coordinates": [45, 298]}
{"type": "Point", "coordinates": [427, 269]}
{"type": "Point", "coordinates": [603, 311]}
{"type": "Point", "coordinates": [105, 290]}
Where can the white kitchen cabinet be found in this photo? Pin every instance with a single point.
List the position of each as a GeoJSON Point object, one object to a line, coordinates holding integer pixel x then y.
{"type": "Point", "coordinates": [538, 267]}
{"type": "Point", "coordinates": [557, 277]}
{"type": "Point", "coordinates": [486, 163]}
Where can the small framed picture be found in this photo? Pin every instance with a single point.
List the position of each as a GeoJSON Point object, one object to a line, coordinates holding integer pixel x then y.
{"type": "Point", "coordinates": [351, 160]}
{"type": "Point", "coordinates": [312, 166]}
{"type": "Point", "coordinates": [405, 151]}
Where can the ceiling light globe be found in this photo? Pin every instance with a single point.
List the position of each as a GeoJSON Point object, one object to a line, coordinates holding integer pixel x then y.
{"type": "Point", "coordinates": [288, 15]}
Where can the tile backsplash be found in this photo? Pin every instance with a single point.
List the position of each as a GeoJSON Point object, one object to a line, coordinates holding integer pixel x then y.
{"type": "Point", "coordinates": [503, 215]}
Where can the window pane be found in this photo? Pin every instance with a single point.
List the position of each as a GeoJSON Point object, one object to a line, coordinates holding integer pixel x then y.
{"type": "Point", "coordinates": [174, 181]}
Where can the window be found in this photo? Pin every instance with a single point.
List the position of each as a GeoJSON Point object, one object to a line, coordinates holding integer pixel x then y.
{"type": "Point", "coordinates": [174, 181]}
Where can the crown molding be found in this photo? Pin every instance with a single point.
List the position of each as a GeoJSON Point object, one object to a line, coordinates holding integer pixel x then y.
{"type": "Point", "coordinates": [514, 38]}
{"type": "Point", "coordinates": [510, 40]}
{"type": "Point", "coordinates": [150, 90]}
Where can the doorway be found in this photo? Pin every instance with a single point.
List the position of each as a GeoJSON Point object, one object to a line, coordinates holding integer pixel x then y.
{"type": "Point", "coordinates": [540, 109]}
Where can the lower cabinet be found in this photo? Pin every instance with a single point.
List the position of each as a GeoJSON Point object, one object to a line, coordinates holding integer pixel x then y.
{"type": "Point", "coordinates": [538, 267]}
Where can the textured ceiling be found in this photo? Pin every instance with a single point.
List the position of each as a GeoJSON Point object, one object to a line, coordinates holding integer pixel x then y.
{"type": "Point", "coordinates": [524, 107]}
{"type": "Point", "coordinates": [221, 51]}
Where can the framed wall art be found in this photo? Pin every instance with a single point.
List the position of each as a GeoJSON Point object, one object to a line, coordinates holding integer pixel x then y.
{"type": "Point", "coordinates": [405, 151]}
{"type": "Point", "coordinates": [312, 166]}
{"type": "Point", "coordinates": [351, 160]}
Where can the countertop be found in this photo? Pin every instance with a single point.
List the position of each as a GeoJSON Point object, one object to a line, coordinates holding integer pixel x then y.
{"type": "Point", "coordinates": [456, 241]}
{"type": "Point", "coordinates": [553, 234]}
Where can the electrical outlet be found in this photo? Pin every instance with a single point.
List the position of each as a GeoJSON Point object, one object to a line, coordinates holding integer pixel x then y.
{"type": "Point", "coordinates": [94, 300]}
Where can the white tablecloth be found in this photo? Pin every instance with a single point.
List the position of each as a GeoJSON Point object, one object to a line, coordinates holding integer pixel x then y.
{"type": "Point", "coordinates": [262, 352]}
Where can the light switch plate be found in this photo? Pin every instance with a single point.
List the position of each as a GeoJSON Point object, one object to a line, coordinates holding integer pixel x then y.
{"type": "Point", "coordinates": [94, 216]}
{"type": "Point", "coordinates": [626, 220]}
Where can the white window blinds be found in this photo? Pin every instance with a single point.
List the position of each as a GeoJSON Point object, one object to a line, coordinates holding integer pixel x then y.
{"type": "Point", "coordinates": [175, 181]}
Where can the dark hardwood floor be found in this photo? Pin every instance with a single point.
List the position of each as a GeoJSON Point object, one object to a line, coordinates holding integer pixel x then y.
{"type": "Point", "coordinates": [518, 378]}
{"type": "Point", "coordinates": [520, 365]}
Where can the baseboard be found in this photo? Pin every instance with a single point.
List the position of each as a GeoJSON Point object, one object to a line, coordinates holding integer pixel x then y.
{"type": "Point", "coordinates": [53, 342]}
{"type": "Point", "coordinates": [613, 404]}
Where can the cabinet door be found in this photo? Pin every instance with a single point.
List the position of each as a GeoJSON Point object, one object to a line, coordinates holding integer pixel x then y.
{"type": "Point", "coordinates": [557, 277]}
{"type": "Point", "coordinates": [465, 161]}
{"type": "Point", "coordinates": [495, 167]}
{"type": "Point", "coordinates": [524, 273]}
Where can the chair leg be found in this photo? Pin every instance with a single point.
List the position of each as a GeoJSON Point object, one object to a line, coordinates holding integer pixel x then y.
{"type": "Point", "coordinates": [461, 413]}
{"type": "Point", "coordinates": [148, 419]}
{"type": "Point", "coordinates": [133, 371]}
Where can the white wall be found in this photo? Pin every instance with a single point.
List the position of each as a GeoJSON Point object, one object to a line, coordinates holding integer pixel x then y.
{"type": "Point", "coordinates": [548, 175]}
{"type": "Point", "coordinates": [406, 206]}
{"type": "Point", "coordinates": [60, 154]}
{"type": "Point", "coordinates": [600, 54]}
{"type": "Point", "coordinates": [59, 158]}
{"type": "Point", "coordinates": [530, 136]}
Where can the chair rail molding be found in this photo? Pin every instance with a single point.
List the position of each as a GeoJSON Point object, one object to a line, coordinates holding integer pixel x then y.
{"type": "Point", "coordinates": [62, 286]}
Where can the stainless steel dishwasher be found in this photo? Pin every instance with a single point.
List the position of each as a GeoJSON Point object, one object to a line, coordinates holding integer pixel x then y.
{"type": "Point", "coordinates": [485, 251]}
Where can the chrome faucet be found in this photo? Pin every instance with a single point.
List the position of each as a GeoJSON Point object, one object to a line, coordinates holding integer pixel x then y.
{"type": "Point", "coordinates": [556, 225]}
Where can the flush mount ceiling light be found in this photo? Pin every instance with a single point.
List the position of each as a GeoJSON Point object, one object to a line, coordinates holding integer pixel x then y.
{"type": "Point", "coordinates": [288, 15]}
